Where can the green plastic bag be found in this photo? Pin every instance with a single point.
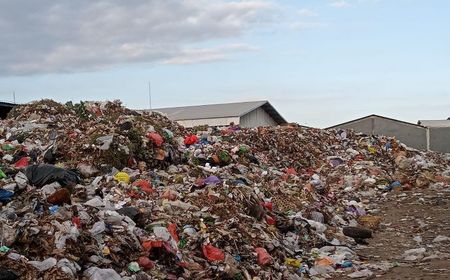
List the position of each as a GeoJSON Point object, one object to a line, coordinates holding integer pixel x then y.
{"type": "Point", "coordinates": [2, 174]}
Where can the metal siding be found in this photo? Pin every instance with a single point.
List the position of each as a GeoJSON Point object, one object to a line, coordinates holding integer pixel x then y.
{"type": "Point", "coordinates": [440, 139]}
{"type": "Point", "coordinates": [257, 117]}
{"type": "Point", "coordinates": [412, 136]}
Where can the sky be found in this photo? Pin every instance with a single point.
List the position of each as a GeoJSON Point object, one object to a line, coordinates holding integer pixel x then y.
{"type": "Point", "coordinates": [319, 62]}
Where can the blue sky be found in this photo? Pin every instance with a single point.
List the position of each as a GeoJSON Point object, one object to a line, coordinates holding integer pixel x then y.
{"type": "Point", "coordinates": [318, 62]}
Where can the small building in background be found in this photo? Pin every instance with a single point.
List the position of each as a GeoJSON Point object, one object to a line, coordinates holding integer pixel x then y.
{"type": "Point", "coordinates": [413, 135]}
{"type": "Point", "coordinates": [438, 134]}
{"type": "Point", "coordinates": [244, 114]}
{"type": "Point", "coordinates": [5, 107]}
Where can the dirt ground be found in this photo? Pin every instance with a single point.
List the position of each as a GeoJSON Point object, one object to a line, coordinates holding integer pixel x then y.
{"type": "Point", "coordinates": [407, 215]}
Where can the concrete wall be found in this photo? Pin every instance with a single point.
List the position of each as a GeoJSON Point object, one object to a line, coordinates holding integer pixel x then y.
{"type": "Point", "coordinates": [411, 135]}
{"type": "Point", "coordinates": [210, 122]}
{"type": "Point", "coordinates": [440, 139]}
{"type": "Point", "coordinates": [257, 117]}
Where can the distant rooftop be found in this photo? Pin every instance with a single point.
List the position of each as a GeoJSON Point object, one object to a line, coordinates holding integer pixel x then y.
{"type": "Point", "coordinates": [219, 111]}
{"type": "Point", "coordinates": [373, 116]}
{"type": "Point", "coordinates": [435, 123]}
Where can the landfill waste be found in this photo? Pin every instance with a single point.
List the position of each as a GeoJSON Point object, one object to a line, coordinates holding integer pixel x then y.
{"type": "Point", "coordinates": [414, 254]}
{"type": "Point", "coordinates": [361, 274]}
{"type": "Point", "coordinates": [96, 190]}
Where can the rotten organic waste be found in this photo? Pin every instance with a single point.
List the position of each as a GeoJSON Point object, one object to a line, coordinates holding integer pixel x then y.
{"type": "Point", "coordinates": [97, 191]}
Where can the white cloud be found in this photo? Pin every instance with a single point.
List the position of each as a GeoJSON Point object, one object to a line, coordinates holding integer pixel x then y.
{"type": "Point", "coordinates": [45, 36]}
{"type": "Point", "coordinates": [301, 25]}
{"type": "Point", "coordinates": [339, 4]}
{"type": "Point", "coordinates": [369, 1]}
{"type": "Point", "coordinates": [306, 13]}
{"type": "Point", "coordinates": [204, 55]}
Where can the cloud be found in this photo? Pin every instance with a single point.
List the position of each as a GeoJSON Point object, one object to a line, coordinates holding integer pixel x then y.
{"type": "Point", "coordinates": [339, 4]}
{"type": "Point", "coordinates": [301, 25]}
{"type": "Point", "coordinates": [192, 56]}
{"type": "Point", "coordinates": [369, 1]}
{"type": "Point", "coordinates": [45, 36]}
{"type": "Point", "coordinates": [306, 13]}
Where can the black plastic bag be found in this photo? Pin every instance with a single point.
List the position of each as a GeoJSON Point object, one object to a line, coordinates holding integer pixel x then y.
{"type": "Point", "coordinates": [44, 174]}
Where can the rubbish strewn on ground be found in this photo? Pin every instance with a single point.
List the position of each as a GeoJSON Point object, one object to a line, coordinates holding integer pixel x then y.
{"type": "Point", "coordinates": [98, 191]}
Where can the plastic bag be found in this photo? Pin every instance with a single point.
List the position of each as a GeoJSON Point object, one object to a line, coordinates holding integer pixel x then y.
{"type": "Point", "coordinates": [190, 140]}
{"type": "Point", "coordinates": [105, 141]}
{"type": "Point", "coordinates": [98, 228]}
{"type": "Point", "coordinates": [22, 163]}
{"type": "Point", "coordinates": [172, 228]}
{"type": "Point", "coordinates": [122, 177]}
{"type": "Point", "coordinates": [263, 257]}
{"type": "Point", "coordinates": [95, 273]}
{"type": "Point", "coordinates": [145, 186]}
{"type": "Point", "coordinates": [44, 265]}
{"type": "Point", "coordinates": [2, 174]}
{"type": "Point", "coordinates": [156, 138]}
{"type": "Point", "coordinates": [44, 174]}
{"type": "Point", "coordinates": [5, 196]}
{"type": "Point", "coordinates": [145, 263]}
{"type": "Point", "coordinates": [212, 180]}
{"type": "Point", "coordinates": [212, 253]}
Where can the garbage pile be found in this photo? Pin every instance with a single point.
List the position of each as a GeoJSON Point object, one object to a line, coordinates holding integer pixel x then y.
{"type": "Point", "coordinates": [97, 191]}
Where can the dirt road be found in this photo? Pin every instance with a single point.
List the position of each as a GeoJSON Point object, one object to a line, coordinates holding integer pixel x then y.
{"type": "Point", "coordinates": [411, 220]}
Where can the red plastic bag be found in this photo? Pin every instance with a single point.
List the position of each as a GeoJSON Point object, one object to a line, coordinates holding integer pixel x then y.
{"type": "Point", "coordinates": [146, 263]}
{"type": "Point", "coordinates": [172, 228]}
{"type": "Point", "coordinates": [267, 205]}
{"type": "Point", "coordinates": [271, 220]}
{"type": "Point", "coordinates": [156, 138]}
{"type": "Point", "coordinates": [190, 140]}
{"type": "Point", "coordinates": [263, 257]}
{"type": "Point", "coordinates": [22, 163]}
{"type": "Point", "coordinates": [212, 253]}
{"type": "Point", "coordinates": [76, 221]}
{"type": "Point", "coordinates": [144, 185]}
{"type": "Point", "coordinates": [148, 245]}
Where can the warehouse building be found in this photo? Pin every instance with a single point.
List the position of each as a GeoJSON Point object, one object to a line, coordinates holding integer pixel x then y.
{"type": "Point", "coordinates": [438, 134]}
{"type": "Point", "coordinates": [413, 135]}
{"type": "Point", "coordinates": [244, 114]}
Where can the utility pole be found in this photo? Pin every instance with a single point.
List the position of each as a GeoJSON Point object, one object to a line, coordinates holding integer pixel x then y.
{"type": "Point", "coordinates": [14, 96]}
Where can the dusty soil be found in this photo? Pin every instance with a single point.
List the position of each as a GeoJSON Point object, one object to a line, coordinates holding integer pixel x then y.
{"type": "Point", "coordinates": [406, 215]}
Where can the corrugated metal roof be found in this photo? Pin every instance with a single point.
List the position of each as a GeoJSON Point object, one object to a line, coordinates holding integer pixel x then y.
{"type": "Point", "coordinates": [435, 123]}
{"type": "Point", "coordinates": [219, 111]}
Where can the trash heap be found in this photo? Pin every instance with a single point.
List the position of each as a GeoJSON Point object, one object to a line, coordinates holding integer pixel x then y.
{"type": "Point", "coordinates": [97, 191]}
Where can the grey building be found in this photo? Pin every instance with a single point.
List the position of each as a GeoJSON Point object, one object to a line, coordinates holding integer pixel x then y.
{"type": "Point", "coordinates": [244, 114]}
{"type": "Point", "coordinates": [438, 134]}
{"type": "Point", "coordinates": [413, 135]}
